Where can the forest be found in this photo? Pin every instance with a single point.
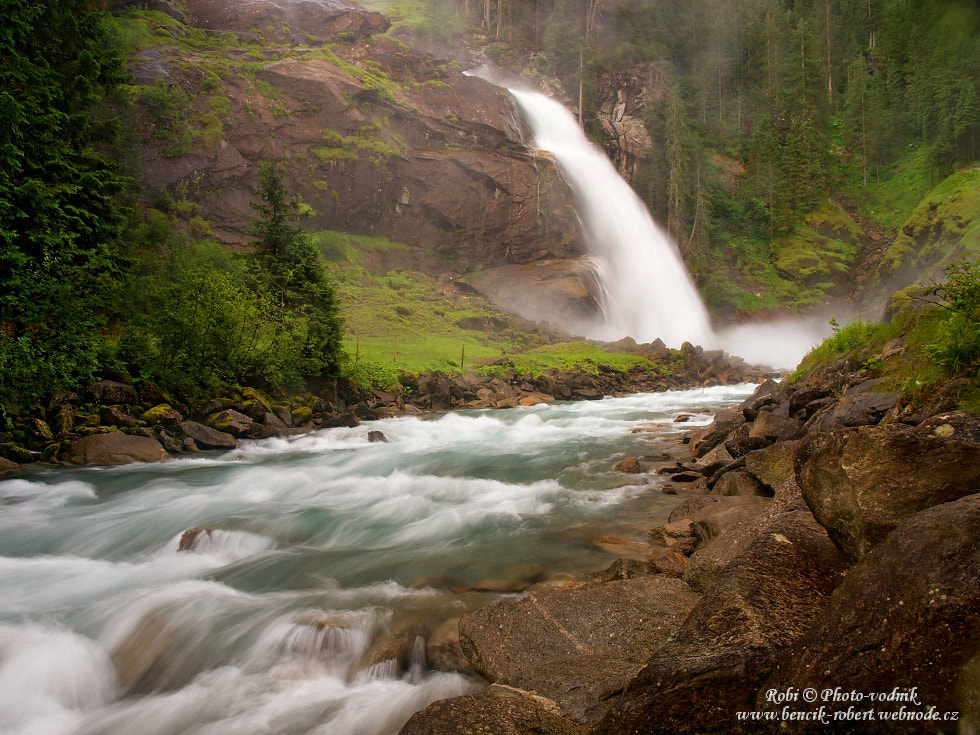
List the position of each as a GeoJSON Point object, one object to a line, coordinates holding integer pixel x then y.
{"type": "Point", "coordinates": [770, 114]}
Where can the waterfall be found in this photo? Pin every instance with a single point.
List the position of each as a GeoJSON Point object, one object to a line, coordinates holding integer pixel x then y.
{"type": "Point", "coordinates": [646, 290]}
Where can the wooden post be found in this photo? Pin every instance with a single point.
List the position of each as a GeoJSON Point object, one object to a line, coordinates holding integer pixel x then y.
{"type": "Point", "coordinates": [462, 357]}
{"type": "Point", "coordinates": [394, 352]}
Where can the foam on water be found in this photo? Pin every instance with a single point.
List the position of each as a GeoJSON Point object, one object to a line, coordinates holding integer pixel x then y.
{"type": "Point", "coordinates": [312, 548]}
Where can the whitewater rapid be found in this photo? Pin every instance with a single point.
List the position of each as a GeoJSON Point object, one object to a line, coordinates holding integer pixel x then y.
{"type": "Point", "coordinates": [317, 548]}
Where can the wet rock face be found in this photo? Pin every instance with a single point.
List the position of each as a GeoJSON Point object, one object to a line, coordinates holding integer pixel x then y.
{"type": "Point", "coordinates": [905, 616]}
{"type": "Point", "coordinates": [498, 709]}
{"type": "Point", "coordinates": [860, 484]}
{"type": "Point", "coordinates": [323, 19]}
{"type": "Point", "coordinates": [577, 646]}
{"type": "Point", "coordinates": [416, 152]}
{"type": "Point", "coordinates": [763, 600]}
{"type": "Point", "coordinates": [625, 96]}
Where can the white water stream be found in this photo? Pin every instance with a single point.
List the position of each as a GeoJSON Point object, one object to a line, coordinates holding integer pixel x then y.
{"type": "Point", "coordinates": [320, 547]}
{"type": "Point", "coordinates": [647, 292]}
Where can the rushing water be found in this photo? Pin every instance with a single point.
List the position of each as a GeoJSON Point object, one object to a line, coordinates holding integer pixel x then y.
{"type": "Point", "coordinates": [646, 291]}
{"type": "Point", "coordinates": [319, 544]}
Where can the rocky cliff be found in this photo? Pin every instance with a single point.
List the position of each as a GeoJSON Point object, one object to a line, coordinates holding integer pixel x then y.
{"type": "Point", "coordinates": [376, 138]}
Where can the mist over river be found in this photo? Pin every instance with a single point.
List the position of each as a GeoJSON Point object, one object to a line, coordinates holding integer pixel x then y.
{"type": "Point", "coordinates": [317, 548]}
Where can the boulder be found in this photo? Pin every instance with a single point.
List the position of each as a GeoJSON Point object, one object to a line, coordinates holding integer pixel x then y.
{"type": "Point", "coordinates": [162, 415]}
{"type": "Point", "coordinates": [377, 436]}
{"type": "Point", "coordinates": [273, 421]}
{"type": "Point", "coordinates": [231, 422]}
{"type": "Point", "coordinates": [206, 437]}
{"type": "Point", "coordinates": [861, 483]}
{"type": "Point", "coordinates": [500, 710]}
{"type": "Point", "coordinates": [629, 466]}
{"type": "Point", "coordinates": [623, 569]}
{"type": "Point", "coordinates": [7, 466]}
{"type": "Point", "coordinates": [578, 646]}
{"type": "Point", "coordinates": [115, 416]}
{"type": "Point", "coordinates": [773, 465]}
{"type": "Point", "coordinates": [860, 408]}
{"type": "Point", "coordinates": [905, 616]}
{"type": "Point", "coordinates": [669, 562]}
{"type": "Point", "coordinates": [740, 482]}
{"type": "Point", "coordinates": [713, 665]}
{"type": "Point", "coordinates": [437, 387]}
{"type": "Point", "coordinates": [725, 529]}
{"type": "Point", "coordinates": [115, 448]}
{"type": "Point", "coordinates": [716, 432]}
{"type": "Point", "coordinates": [112, 392]}
{"type": "Point", "coordinates": [777, 426]}
{"type": "Point", "coordinates": [764, 396]}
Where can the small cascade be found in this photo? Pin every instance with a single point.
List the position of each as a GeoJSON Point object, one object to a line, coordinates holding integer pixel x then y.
{"type": "Point", "coordinates": [647, 292]}
{"type": "Point", "coordinates": [417, 664]}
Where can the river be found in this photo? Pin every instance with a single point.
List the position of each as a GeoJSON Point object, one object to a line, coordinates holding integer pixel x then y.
{"type": "Point", "coordinates": [319, 548]}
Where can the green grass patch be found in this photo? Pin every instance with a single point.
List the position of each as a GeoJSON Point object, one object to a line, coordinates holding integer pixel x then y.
{"type": "Point", "coordinates": [892, 196]}
{"type": "Point", "coordinates": [580, 357]}
{"type": "Point", "coordinates": [945, 225]}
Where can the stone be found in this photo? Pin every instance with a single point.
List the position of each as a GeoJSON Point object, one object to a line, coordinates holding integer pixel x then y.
{"type": "Point", "coordinates": [272, 421]}
{"type": "Point", "coordinates": [669, 562]}
{"type": "Point", "coordinates": [8, 466]}
{"type": "Point", "coordinates": [763, 397]}
{"type": "Point", "coordinates": [162, 415]}
{"type": "Point", "coordinates": [772, 465]}
{"type": "Point", "coordinates": [742, 445]}
{"type": "Point", "coordinates": [671, 534]}
{"type": "Point", "coordinates": [725, 529]}
{"type": "Point", "coordinates": [861, 483]}
{"type": "Point", "coordinates": [151, 395]}
{"type": "Point", "coordinates": [231, 422]}
{"type": "Point", "coordinates": [500, 710]}
{"type": "Point", "coordinates": [206, 437]}
{"type": "Point", "coordinates": [623, 569]}
{"type": "Point", "coordinates": [685, 477]}
{"type": "Point", "coordinates": [859, 409]}
{"type": "Point", "coordinates": [114, 416]}
{"type": "Point", "coordinates": [739, 482]}
{"type": "Point", "coordinates": [716, 432]}
{"type": "Point", "coordinates": [112, 392]}
{"type": "Point", "coordinates": [715, 663]}
{"type": "Point", "coordinates": [169, 443]}
{"type": "Point", "coordinates": [63, 420]}
{"type": "Point", "coordinates": [115, 448]}
{"type": "Point", "coordinates": [628, 466]}
{"type": "Point", "coordinates": [776, 427]}
{"type": "Point", "coordinates": [904, 616]}
{"type": "Point", "coordinates": [325, 20]}
{"type": "Point", "coordinates": [578, 646]}
{"type": "Point", "coordinates": [377, 436]}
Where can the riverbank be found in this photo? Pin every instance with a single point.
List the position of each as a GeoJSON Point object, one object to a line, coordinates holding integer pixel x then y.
{"type": "Point", "coordinates": [828, 544]}
{"type": "Point", "coordinates": [111, 422]}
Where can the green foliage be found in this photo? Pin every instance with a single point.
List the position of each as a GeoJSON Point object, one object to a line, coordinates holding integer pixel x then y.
{"type": "Point", "coordinates": [957, 347]}
{"type": "Point", "coordinates": [288, 267]}
{"type": "Point", "coordinates": [60, 213]}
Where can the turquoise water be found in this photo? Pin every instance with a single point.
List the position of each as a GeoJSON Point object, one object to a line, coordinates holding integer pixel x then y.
{"type": "Point", "coordinates": [316, 546]}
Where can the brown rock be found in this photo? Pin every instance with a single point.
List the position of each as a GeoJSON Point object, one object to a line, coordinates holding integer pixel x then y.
{"type": "Point", "coordinates": [739, 482]}
{"type": "Point", "coordinates": [859, 409]}
{"type": "Point", "coordinates": [669, 562]}
{"type": "Point", "coordinates": [578, 646]}
{"type": "Point", "coordinates": [716, 432]}
{"type": "Point", "coordinates": [322, 19]}
{"type": "Point", "coordinates": [500, 710]}
{"type": "Point", "coordinates": [714, 664]}
{"type": "Point", "coordinates": [629, 466]}
{"type": "Point", "coordinates": [113, 416]}
{"type": "Point", "coordinates": [231, 422]}
{"type": "Point", "coordinates": [861, 483]}
{"type": "Point", "coordinates": [623, 569]}
{"type": "Point", "coordinates": [206, 437]}
{"type": "Point", "coordinates": [905, 616]}
{"type": "Point", "coordinates": [115, 448]}
{"type": "Point", "coordinates": [112, 392]}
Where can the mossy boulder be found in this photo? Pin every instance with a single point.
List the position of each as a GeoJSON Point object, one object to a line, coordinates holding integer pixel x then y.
{"type": "Point", "coordinates": [301, 415]}
{"type": "Point", "coordinates": [163, 415]}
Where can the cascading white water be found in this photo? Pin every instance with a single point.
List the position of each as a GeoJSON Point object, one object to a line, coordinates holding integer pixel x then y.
{"type": "Point", "coordinates": [648, 292]}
